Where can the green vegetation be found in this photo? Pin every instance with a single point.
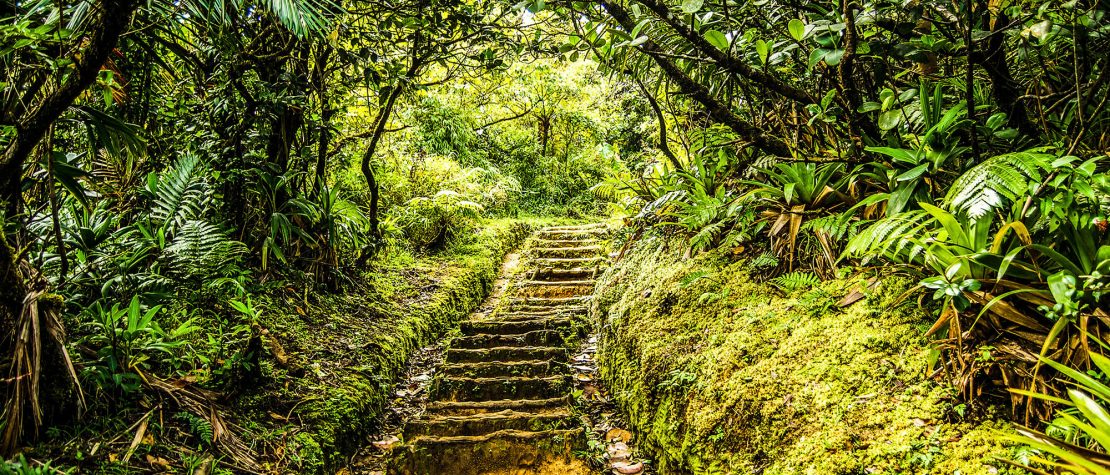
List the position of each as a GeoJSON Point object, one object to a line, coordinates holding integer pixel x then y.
{"type": "Point", "coordinates": [265, 207]}
{"type": "Point", "coordinates": [723, 374]}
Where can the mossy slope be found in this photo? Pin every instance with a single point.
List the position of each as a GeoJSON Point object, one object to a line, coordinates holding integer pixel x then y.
{"type": "Point", "coordinates": [346, 350]}
{"type": "Point", "coordinates": [724, 375]}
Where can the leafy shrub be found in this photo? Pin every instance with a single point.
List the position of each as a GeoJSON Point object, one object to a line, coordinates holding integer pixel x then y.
{"type": "Point", "coordinates": [429, 223]}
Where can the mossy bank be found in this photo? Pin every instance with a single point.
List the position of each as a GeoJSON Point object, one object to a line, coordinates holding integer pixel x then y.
{"type": "Point", "coordinates": [346, 350]}
{"type": "Point", "coordinates": [720, 374]}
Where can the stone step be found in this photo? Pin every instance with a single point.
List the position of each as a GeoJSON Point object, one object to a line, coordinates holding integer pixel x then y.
{"type": "Point", "coordinates": [558, 283]}
{"type": "Point", "coordinates": [506, 354]}
{"type": "Point", "coordinates": [514, 327]}
{"type": "Point", "coordinates": [565, 227]}
{"type": "Point", "coordinates": [502, 452]}
{"type": "Point", "coordinates": [532, 338]}
{"type": "Point", "coordinates": [539, 288]}
{"type": "Point", "coordinates": [563, 243]}
{"type": "Point", "coordinates": [551, 274]}
{"type": "Point", "coordinates": [479, 407]}
{"type": "Point", "coordinates": [564, 252]}
{"type": "Point", "coordinates": [494, 389]}
{"type": "Point", "coordinates": [571, 233]}
{"type": "Point", "coordinates": [549, 301]}
{"type": "Point", "coordinates": [496, 369]}
{"type": "Point", "coordinates": [486, 423]}
{"type": "Point", "coordinates": [567, 262]}
{"type": "Point", "coordinates": [538, 312]}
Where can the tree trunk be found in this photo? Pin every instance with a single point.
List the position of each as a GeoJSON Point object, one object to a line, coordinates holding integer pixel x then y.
{"type": "Point", "coordinates": [367, 168]}
{"type": "Point", "coordinates": [1005, 89]}
{"type": "Point", "coordinates": [114, 17]}
{"type": "Point", "coordinates": [326, 113]}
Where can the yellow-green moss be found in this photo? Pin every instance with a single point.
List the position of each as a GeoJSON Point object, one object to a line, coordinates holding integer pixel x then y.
{"type": "Point", "coordinates": [725, 375]}
{"type": "Point", "coordinates": [348, 349]}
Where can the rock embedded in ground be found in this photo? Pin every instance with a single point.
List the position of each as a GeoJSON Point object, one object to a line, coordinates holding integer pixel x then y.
{"type": "Point", "coordinates": [619, 452]}
{"type": "Point", "coordinates": [628, 468]}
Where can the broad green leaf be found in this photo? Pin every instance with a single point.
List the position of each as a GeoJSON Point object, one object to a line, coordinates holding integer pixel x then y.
{"type": "Point", "coordinates": [1062, 286]}
{"type": "Point", "coordinates": [762, 49]}
{"type": "Point", "coordinates": [890, 119]}
{"type": "Point", "coordinates": [718, 39]}
{"type": "Point", "coordinates": [913, 173]}
{"type": "Point", "coordinates": [797, 29]}
{"type": "Point", "coordinates": [692, 6]}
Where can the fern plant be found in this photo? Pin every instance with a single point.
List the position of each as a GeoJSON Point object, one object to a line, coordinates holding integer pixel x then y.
{"type": "Point", "coordinates": [997, 182]}
{"type": "Point", "coordinates": [179, 194]}
{"type": "Point", "coordinates": [201, 250]}
{"type": "Point", "coordinates": [791, 281]}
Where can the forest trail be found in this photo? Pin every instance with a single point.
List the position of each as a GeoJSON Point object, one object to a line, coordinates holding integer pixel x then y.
{"type": "Point", "coordinates": [500, 403]}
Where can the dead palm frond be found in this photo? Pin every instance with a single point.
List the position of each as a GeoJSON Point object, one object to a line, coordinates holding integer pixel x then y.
{"type": "Point", "coordinates": [26, 366]}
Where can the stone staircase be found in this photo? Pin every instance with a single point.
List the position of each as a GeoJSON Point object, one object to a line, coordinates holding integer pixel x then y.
{"type": "Point", "coordinates": [500, 403]}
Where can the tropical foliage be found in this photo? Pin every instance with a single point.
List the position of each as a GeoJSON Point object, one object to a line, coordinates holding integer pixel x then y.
{"type": "Point", "coordinates": [163, 164]}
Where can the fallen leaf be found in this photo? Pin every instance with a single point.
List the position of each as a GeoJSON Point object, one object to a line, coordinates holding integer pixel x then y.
{"type": "Point", "coordinates": [618, 434]}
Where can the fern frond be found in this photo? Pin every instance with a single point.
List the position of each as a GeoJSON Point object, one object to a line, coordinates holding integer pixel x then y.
{"type": "Point", "coordinates": [792, 281]}
{"type": "Point", "coordinates": [996, 182]}
{"type": "Point", "coordinates": [179, 193]}
{"type": "Point", "coordinates": [763, 261]}
{"type": "Point", "coordinates": [893, 237]}
{"type": "Point", "coordinates": [201, 249]}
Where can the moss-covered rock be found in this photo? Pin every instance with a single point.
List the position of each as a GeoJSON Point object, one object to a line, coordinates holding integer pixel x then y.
{"type": "Point", "coordinates": [720, 374]}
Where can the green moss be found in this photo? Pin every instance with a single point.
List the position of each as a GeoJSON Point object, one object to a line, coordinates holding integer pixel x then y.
{"type": "Point", "coordinates": [308, 454]}
{"type": "Point", "coordinates": [725, 375]}
{"type": "Point", "coordinates": [348, 349]}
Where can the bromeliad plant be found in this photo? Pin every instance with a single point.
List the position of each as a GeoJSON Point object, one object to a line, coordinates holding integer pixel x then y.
{"type": "Point", "coordinates": [128, 339]}
{"type": "Point", "coordinates": [914, 174]}
{"type": "Point", "coordinates": [794, 193]}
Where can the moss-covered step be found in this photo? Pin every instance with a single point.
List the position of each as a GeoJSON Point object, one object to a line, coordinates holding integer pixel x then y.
{"type": "Point", "coordinates": [578, 227]}
{"type": "Point", "coordinates": [552, 274]}
{"type": "Point", "coordinates": [522, 451]}
{"type": "Point", "coordinates": [568, 262]}
{"type": "Point", "coordinates": [555, 289]}
{"type": "Point", "coordinates": [494, 389]}
{"type": "Point", "coordinates": [540, 312]}
{"type": "Point", "coordinates": [486, 423]}
{"type": "Point", "coordinates": [564, 252]}
{"type": "Point", "coordinates": [552, 404]}
{"type": "Point", "coordinates": [550, 302]}
{"type": "Point", "coordinates": [544, 243]}
{"type": "Point", "coordinates": [532, 338]}
{"type": "Point", "coordinates": [494, 369]}
{"type": "Point", "coordinates": [581, 234]}
{"type": "Point", "coordinates": [506, 353]}
{"type": "Point", "coordinates": [514, 327]}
